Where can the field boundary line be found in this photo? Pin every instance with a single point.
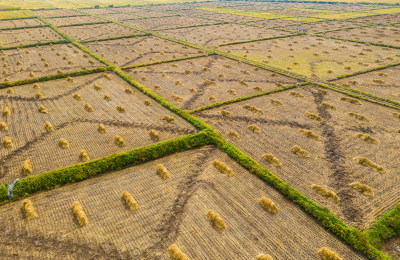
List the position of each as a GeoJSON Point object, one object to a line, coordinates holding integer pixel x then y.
{"type": "Point", "coordinates": [34, 45]}
{"type": "Point", "coordinates": [260, 39]}
{"type": "Point", "coordinates": [24, 27]}
{"type": "Point", "coordinates": [81, 24]}
{"type": "Point", "coordinates": [117, 38]}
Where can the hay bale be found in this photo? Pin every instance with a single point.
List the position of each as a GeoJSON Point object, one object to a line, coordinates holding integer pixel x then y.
{"type": "Point", "coordinates": [226, 113]}
{"type": "Point", "coordinates": [233, 134]}
{"type": "Point", "coordinates": [328, 106]}
{"type": "Point", "coordinates": [176, 253]}
{"type": "Point", "coordinates": [147, 102]}
{"type": "Point", "coordinates": [177, 98]}
{"type": "Point", "coordinates": [119, 141]}
{"type": "Point", "coordinates": [43, 110]}
{"type": "Point", "coordinates": [368, 163]}
{"type": "Point", "coordinates": [271, 159]}
{"type": "Point", "coordinates": [324, 192]}
{"type": "Point", "coordinates": [89, 108]}
{"type": "Point", "coordinates": [253, 108]}
{"type": "Point", "coordinates": [48, 126]}
{"type": "Point", "coordinates": [254, 128]}
{"type": "Point", "coordinates": [121, 109]}
{"type": "Point", "coordinates": [396, 115]}
{"type": "Point", "coordinates": [7, 142]}
{"type": "Point", "coordinates": [36, 86]}
{"type": "Point", "coordinates": [154, 135]}
{"type": "Point", "coordinates": [297, 150]}
{"type": "Point", "coordinates": [216, 219]}
{"type": "Point", "coordinates": [77, 96]}
{"type": "Point", "coordinates": [296, 94]}
{"type": "Point", "coordinates": [107, 76]}
{"type": "Point", "coordinates": [38, 95]}
{"type": "Point", "coordinates": [6, 112]}
{"type": "Point", "coordinates": [358, 116]}
{"type": "Point", "coordinates": [129, 200]}
{"type": "Point", "coordinates": [365, 189]}
{"type": "Point", "coordinates": [367, 138]}
{"type": "Point", "coordinates": [351, 100]}
{"type": "Point", "coordinates": [309, 134]}
{"type": "Point", "coordinates": [101, 128]}
{"type": "Point", "coordinates": [29, 210]}
{"type": "Point", "coordinates": [222, 167]}
{"type": "Point", "coordinates": [276, 102]}
{"type": "Point", "coordinates": [268, 204]}
{"type": "Point", "coordinates": [169, 119]}
{"type": "Point", "coordinates": [83, 156]}
{"type": "Point", "coordinates": [27, 167]}
{"type": "Point", "coordinates": [231, 91]}
{"type": "Point", "coordinates": [80, 214]}
{"type": "Point", "coordinates": [63, 143]}
{"type": "Point", "coordinates": [128, 91]}
{"type": "Point", "coordinates": [313, 116]}
{"type": "Point", "coordinates": [264, 257]}
{"type": "Point", "coordinates": [97, 87]}
{"type": "Point", "coordinates": [3, 126]}
{"type": "Point", "coordinates": [10, 91]}
{"type": "Point", "coordinates": [327, 254]}
{"type": "Point", "coordinates": [162, 171]}
{"type": "Point", "coordinates": [107, 97]}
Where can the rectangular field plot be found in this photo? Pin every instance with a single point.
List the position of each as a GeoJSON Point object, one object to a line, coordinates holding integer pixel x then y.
{"type": "Point", "coordinates": [168, 22]}
{"type": "Point", "coordinates": [321, 26]}
{"type": "Point", "coordinates": [59, 21]}
{"type": "Point", "coordinates": [229, 17]}
{"type": "Point", "coordinates": [100, 11]}
{"type": "Point", "coordinates": [317, 137]}
{"type": "Point", "coordinates": [218, 34]}
{"type": "Point", "coordinates": [98, 31]}
{"type": "Point", "coordinates": [72, 120]}
{"type": "Point", "coordinates": [122, 16]}
{"type": "Point", "coordinates": [389, 35]}
{"type": "Point", "coordinates": [385, 19]}
{"type": "Point", "coordinates": [13, 38]}
{"type": "Point", "coordinates": [15, 14]}
{"type": "Point", "coordinates": [273, 23]}
{"type": "Point", "coordinates": [19, 23]}
{"type": "Point", "coordinates": [383, 83]}
{"type": "Point", "coordinates": [171, 211]}
{"type": "Point", "coordinates": [315, 57]}
{"type": "Point", "coordinates": [57, 13]}
{"type": "Point", "coordinates": [198, 82]}
{"type": "Point", "coordinates": [40, 61]}
{"type": "Point", "coordinates": [140, 50]}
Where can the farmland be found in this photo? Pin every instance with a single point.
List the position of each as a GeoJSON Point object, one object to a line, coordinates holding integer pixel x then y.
{"type": "Point", "coordinates": [199, 130]}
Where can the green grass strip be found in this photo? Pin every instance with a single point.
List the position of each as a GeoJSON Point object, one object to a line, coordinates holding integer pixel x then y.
{"type": "Point", "coordinates": [80, 24]}
{"type": "Point", "coordinates": [34, 45]}
{"type": "Point", "coordinates": [349, 235]}
{"type": "Point", "coordinates": [53, 77]}
{"type": "Point", "coordinates": [358, 41]}
{"type": "Point", "coordinates": [117, 37]}
{"type": "Point", "coordinates": [366, 71]}
{"type": "Point", "coordinates": [82, 171]}
{"type": "Point", "coordinates": [385, 227]}
{"type": "Point", "coordinates": [24, 27]}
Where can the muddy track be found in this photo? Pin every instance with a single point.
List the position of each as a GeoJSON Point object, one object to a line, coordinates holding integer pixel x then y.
{"type": "Point", "coordinates": [168, 229]}
{"type": "Point", "coordinates": [7, 159]}
{"type": "Point", "coordinates": [248, 119]}
{"type": "Point", "coordinates": [33, 99]}
{"type": "Point", "coordinates": [28, 242]}
{"type": "Point", "coordinates": [340, 176]}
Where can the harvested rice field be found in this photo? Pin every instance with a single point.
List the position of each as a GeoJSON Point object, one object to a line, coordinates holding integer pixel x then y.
{"type": "Point", "coordinates": [66, 105]}
{"type": "Point", "coordinates": [315, 57]}
{"type": "Point", "coordinates": [168, 22]}
{"type": "Point", "coordinates": [41, 61]}
{"type": "Point", "coordinates": [388, 35]}
{"type": "Point", "coordinates": [140, 50]}
{"type": "Point", "coordinates": [16, 38]}
{"type": "Point", "coordinates": [197, 82]}
{"type": "Point", "coordinates": [62, 21]}
{"type": "Point", "coordinates": [220, 34]}
{"type": "Point", "coordinates": [98, 31]}
{"type": "Point", "coordinates": [171, 211]}
{"type": "Point", "coordinates": [281, 121]}
{"type": "Point", "coordinates": [5, 24]}
{"type": "Point", "coordinates": [383, 83]}
{"type": "Point", "coordinates": [178, 130]}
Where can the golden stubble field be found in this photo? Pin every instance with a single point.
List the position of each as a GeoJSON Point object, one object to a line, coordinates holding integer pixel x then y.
{"type": "Point", "coordinates": [67, 112]}
{"type": "Point", "coordinates": [46, 60]}
{"type": "Point", "coordinates": [15, 38]}
{"type": "Point", "coordinates": [203, 81]}
{"type": "Point", "coordinates": [170, 211]}
{"type": "Point", "coordinates": [275, 123]}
